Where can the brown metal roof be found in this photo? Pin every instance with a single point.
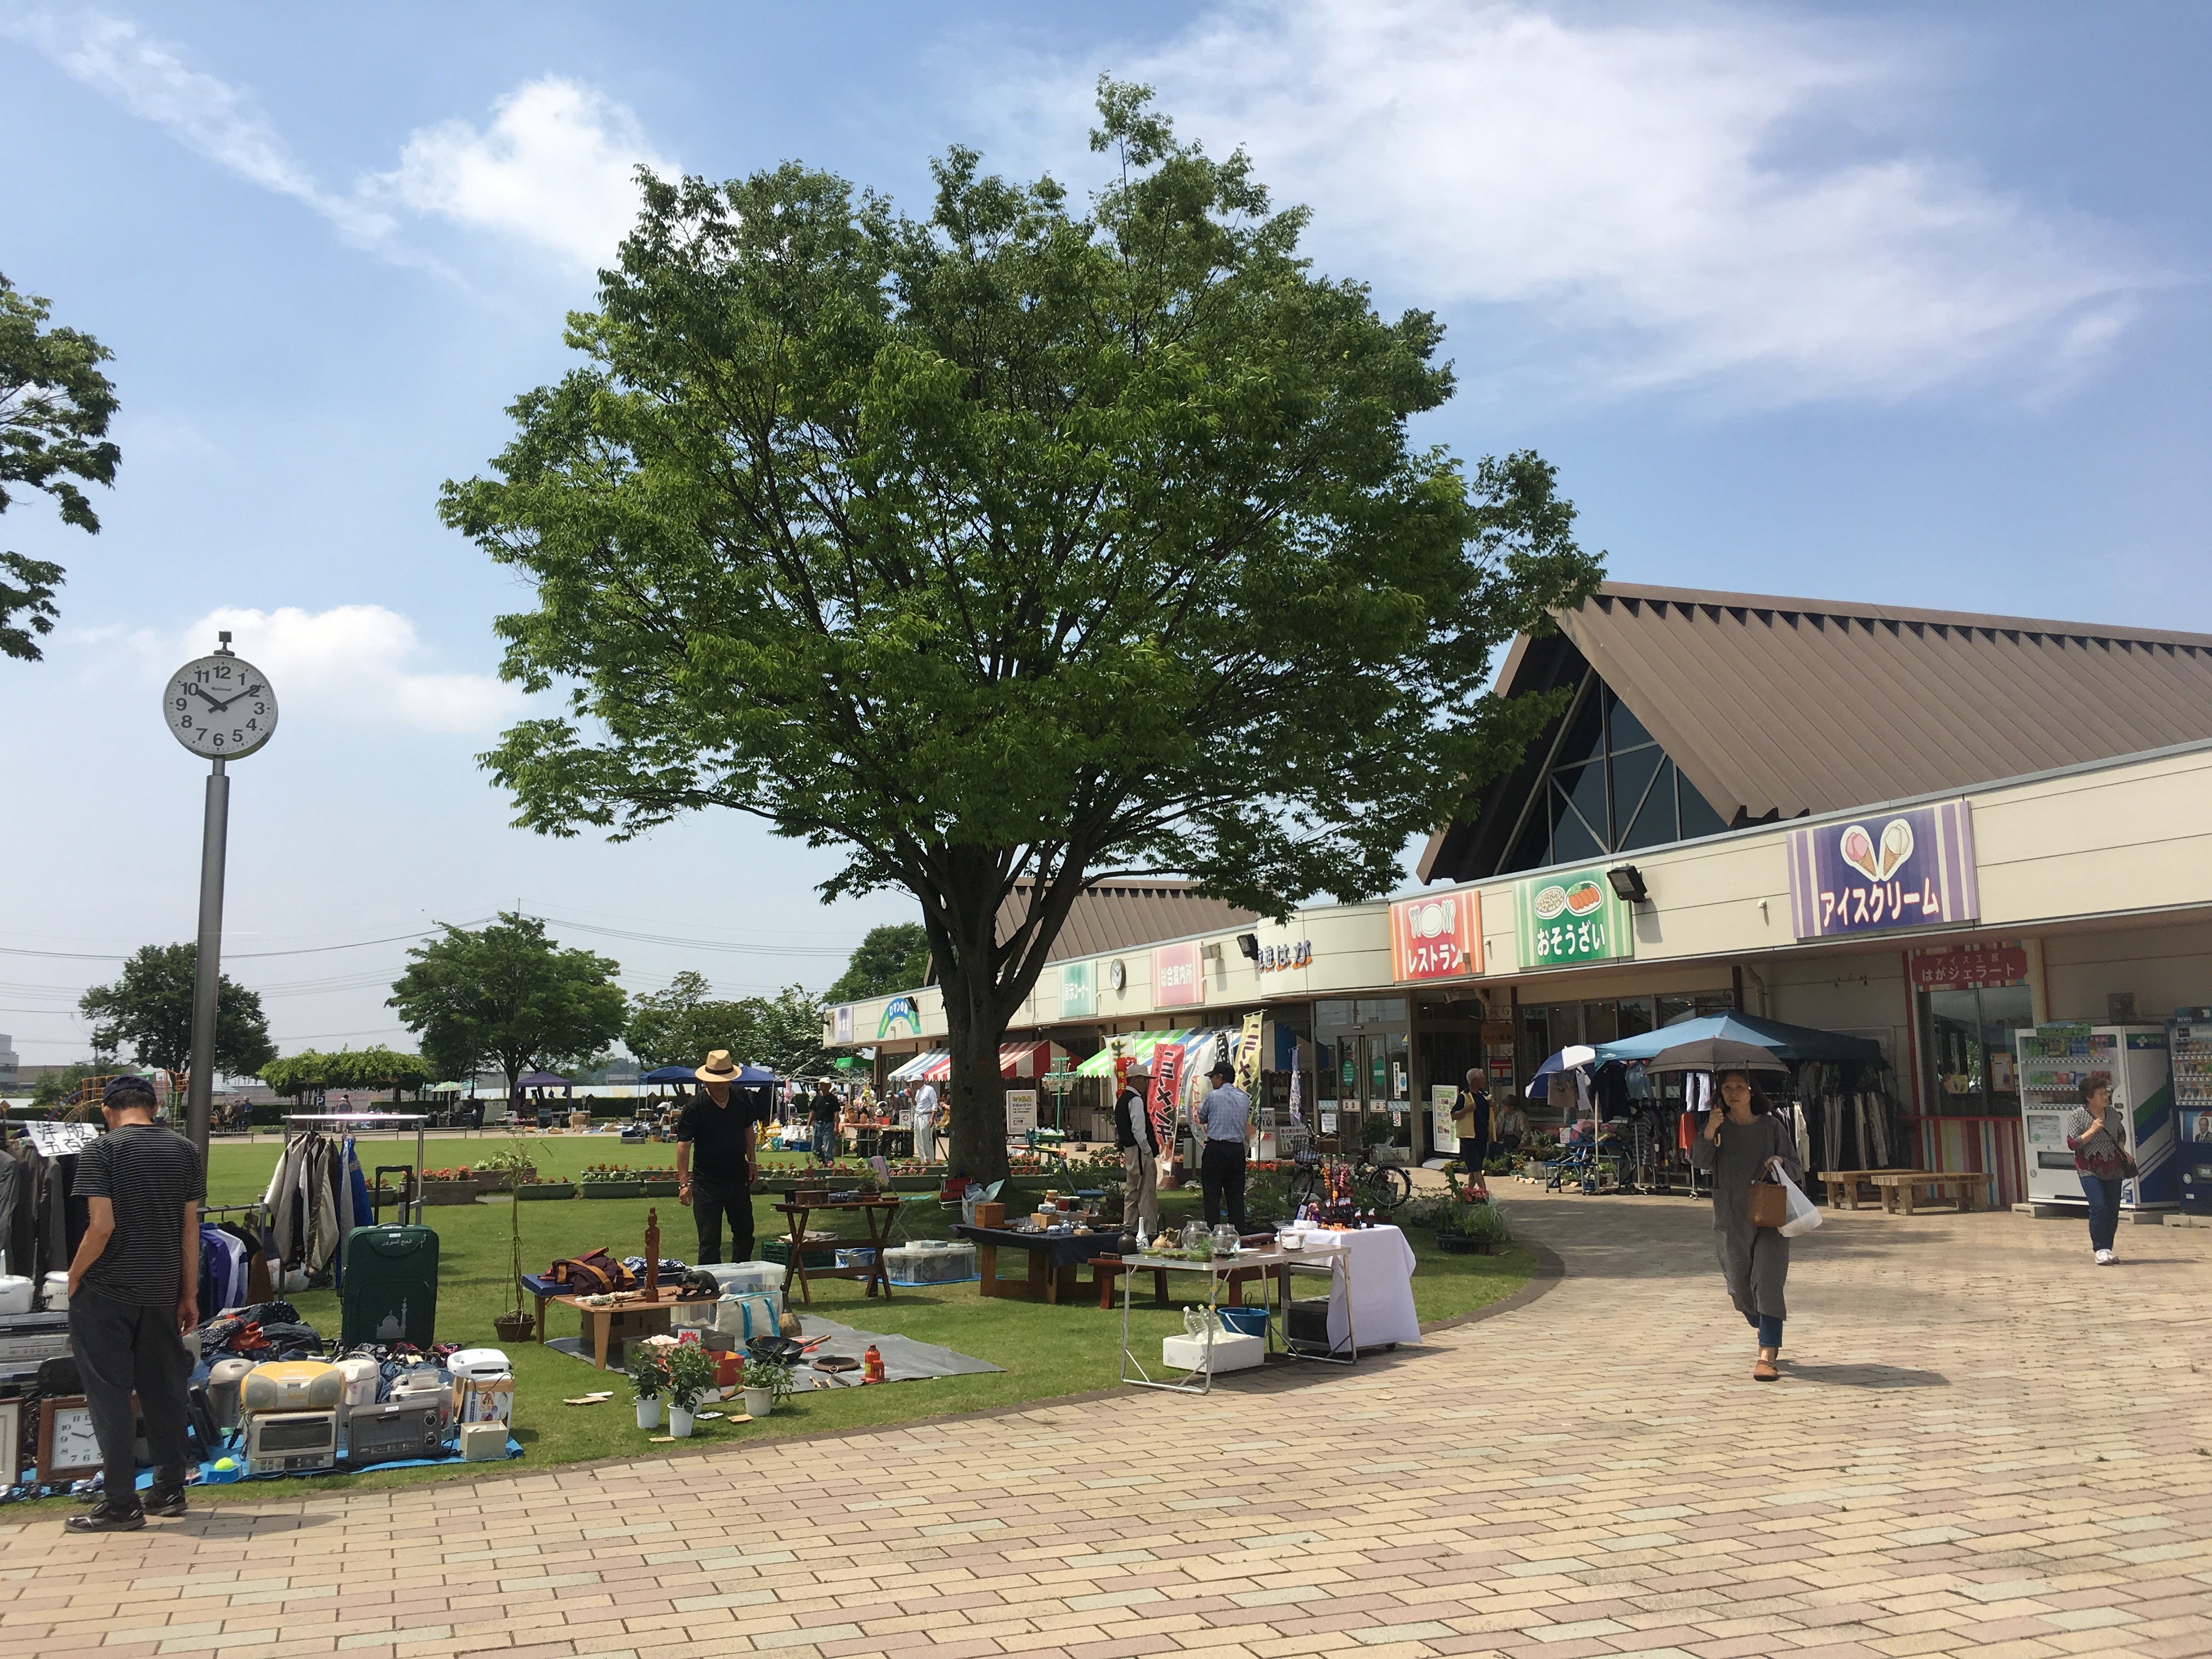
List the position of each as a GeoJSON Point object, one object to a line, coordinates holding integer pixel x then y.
{"type": "Point", "coordinates": [1119, 915]}
{"type": "Point", "coordinates": [1785, 706]}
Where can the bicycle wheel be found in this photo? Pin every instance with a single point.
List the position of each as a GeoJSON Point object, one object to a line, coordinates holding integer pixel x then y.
{"type": "Point", "coordinates": [1395, 1185]}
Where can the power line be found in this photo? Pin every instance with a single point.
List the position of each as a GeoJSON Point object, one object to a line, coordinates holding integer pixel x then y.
{"type": "Point", "coordinates": [702, 944]}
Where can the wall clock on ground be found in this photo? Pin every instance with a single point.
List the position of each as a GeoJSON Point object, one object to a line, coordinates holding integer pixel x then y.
{"type": "Point", "coordinates": [68, 1448]}
{"type": "Point", "coordinates": [11, 1442]}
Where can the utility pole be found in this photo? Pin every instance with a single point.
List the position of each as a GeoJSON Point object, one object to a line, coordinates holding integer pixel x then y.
{"type": "Point", "coordinates": [219, 705]}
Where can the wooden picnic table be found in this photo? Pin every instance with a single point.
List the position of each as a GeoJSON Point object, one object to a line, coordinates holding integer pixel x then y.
{"type": "Point", "coordinates": [876, 1209]}
{"type": "Point", "coordinates": [1844, 1186]}
{"type": "Point", "coordinates": [1898, 1188]}
{"type": "Point", "coordinates": [635, 1316]}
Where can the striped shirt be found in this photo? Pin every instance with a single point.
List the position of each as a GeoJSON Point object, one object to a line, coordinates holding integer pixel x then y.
{"type": "Point", "coordinates": [148, 1174]}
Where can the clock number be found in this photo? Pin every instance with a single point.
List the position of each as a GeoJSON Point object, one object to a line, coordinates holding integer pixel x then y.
{"type": "Point", "coordinates": [218, 739]}
{"type": "Point", "coordinates": [185, 721]}
{"type": "Point", "coordinates": [253, 725]}
{"type": "Point", "coordinates": [181, 703]}
{"type": "Point", "coordinates": [237, 736]}
{"type": "Point", "coordinates": [260, 707]}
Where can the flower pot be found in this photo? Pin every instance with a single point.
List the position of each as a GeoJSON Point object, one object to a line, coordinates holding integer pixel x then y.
{"type": "Point", "coordinates": [759, 1402]}
{"type": "Point", "coordinates": [515, 1328]}
{"type": "Point", "coordinates": [546, 1189]}
{"type": "Point", "coordinates": [661, 1188]}
{"type": "Point", "coordinates": [1465, 1244]}
{"type": "Point", "coordinates": [614, 1190]}
{"type": "Point", "coordinates": [449, 1192]}
{"type": "Point", "coordinates": [494, 1180]}
{"type": "Point", "coordinates": [648, 1413]}
{"type": "Point", "coordinates": [679, 1421]}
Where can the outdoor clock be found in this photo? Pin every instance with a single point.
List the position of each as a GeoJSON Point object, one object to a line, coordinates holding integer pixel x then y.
{"type": "Point", "coordinates": [68, 1448]}
{"type": "Point", "coordinates": [220, 707]}
{"type": "Point", "coordinates": [1117, 977]}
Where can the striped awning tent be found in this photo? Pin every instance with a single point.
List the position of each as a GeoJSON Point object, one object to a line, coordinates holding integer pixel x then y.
{"type": "Point", "coordinates": [916, 1069]}
{"type": "Point", "coordinates": [936, 1065]}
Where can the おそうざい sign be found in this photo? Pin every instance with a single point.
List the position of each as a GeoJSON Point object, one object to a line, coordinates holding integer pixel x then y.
{"type": "Point", "coordinates": [1912, 868]}
{"type": "Point", "coordinates": [1572, 916]}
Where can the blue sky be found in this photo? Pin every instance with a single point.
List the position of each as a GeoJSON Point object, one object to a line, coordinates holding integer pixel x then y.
{"type": "Point", "coordinates": [1870, 302]}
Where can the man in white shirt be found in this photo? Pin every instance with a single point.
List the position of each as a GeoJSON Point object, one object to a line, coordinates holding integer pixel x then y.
{"type": "Point", "coordinates": [925, 1123]}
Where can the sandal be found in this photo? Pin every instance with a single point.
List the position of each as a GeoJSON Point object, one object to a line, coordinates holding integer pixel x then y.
{"type": "Point", "coordinates": [1764, 1371]}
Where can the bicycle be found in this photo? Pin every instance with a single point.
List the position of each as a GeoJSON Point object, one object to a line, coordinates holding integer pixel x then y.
{"type": "Point", "coordinates": [1378, 1186]}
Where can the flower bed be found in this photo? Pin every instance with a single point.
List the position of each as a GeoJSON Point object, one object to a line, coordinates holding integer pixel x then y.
{"type": "Point", "coordinates": [449, 1186]}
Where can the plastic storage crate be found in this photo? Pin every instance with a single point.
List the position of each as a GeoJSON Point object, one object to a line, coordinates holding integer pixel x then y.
{"type": "Point", "coordinates": [931, 1261]}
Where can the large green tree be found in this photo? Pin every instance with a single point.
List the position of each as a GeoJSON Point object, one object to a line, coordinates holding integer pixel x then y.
{"type": "Point", "coordinates": [55, 406]}
{"type": "Point", "coordinates": [683, 1023]}
{"type": "Point", "coordinates": [298, 1075]}
{"type": "Point", "coordinates": [148, 1010]}
{"type": "Point", "coordinates": [1024, 541]}
{"type": "Point", "coordinates": [891, 958]}
{"type": "Point", "coordinates": [509, 996]}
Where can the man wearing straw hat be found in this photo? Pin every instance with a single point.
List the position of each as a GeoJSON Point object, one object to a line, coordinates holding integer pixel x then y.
{"type": "Point", "coordinates": [723, 1184]}
{"type": "Point", "coordinates": [1140, 1151]}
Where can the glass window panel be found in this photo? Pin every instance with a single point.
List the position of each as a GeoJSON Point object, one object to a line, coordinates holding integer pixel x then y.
{"type": "Point", "coordinates": [1585, 736]}
{"type": "Point", "coordinates": [1585, 787]}
{"type": "Point", "coordinates": [1635, 1016]}
{"type": "Point", "coordinates": [1699, 817]}
{"type": "Point", "coordinates": [1332, 1014]}
{"type": "Point", "coordinates": [1601, 1021]}
{"type": "Point", "coordinates": [1639, 790]}
{"type": "Point", "coordinates": [1534, 848]}
{"type": "Point", "coordinates": [1571, 838]}
{"type": "Point", "coordinates": [1627, 731]}
{"type": "Point", "coordinates": [2004, 1011]}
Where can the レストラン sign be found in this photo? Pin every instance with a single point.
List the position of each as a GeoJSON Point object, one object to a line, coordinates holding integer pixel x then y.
{"type": "Point", "coordinates": [1913, 868]}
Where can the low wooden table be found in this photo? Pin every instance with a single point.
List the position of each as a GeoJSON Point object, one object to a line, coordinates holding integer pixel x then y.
{"type": "Point", "coordinates": [877, 1212]}
{"type": "Point", "coordinates": [1898, 1188]}
{"type": "Point", "coordinates": [606, 1323]}
{"type": "Point", "coordinates": [1056, 1262]}
{"type": "Point", "coordinates": [1844, 1186]}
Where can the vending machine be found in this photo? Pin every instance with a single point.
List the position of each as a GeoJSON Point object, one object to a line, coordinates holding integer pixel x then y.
{"type": "Point", "coordinates": [2054, 1061]}
{"type": "Point", "coordinates": [2189, 1043]}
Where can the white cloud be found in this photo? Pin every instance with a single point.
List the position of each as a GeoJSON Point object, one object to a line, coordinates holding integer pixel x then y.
{"type": "Point", "coordinates": [556, 166]}
{"type": "Point", "coordinates": [1644, 204]}
{"type": "Point", "coordinates": [352, 661]}
{"type": "Point", "coordinates": [152, 80]}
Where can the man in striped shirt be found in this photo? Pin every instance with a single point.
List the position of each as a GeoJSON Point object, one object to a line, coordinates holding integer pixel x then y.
{"type": "Point", "coordinates": [134, 1290]}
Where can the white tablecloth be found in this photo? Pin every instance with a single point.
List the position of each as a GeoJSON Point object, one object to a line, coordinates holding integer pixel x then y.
{"type": "Point", "coordinates": [1381, 1264]}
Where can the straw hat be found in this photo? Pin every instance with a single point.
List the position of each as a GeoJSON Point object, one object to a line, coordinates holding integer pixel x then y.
{"type": "Point", "coordinates": [719, 1067]}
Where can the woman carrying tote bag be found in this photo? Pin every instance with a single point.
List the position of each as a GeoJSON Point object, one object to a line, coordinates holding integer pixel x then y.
{"type": "Point", "coordinates": [1742, 1144]}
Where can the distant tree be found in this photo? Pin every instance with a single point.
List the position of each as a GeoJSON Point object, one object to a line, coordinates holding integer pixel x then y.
{"type": "Point", "coordinates": [297, 1075]}
{"type": "Point", "coordinates": [148, 1010]}
{"type": "Point", "coordinates": [785, 1031]}
{"type": "Point", "coordinates": [682, 1024]}
{"type": "Point", "coordinates": [509, 996]}
{"type": "Point", "coordinates": [55, 406]}
{"type": "Point", "coordinates": [57, 1086]}
{"type": "Point", "coordinates": [891, 958]}
{"type": "Point", "coordinates": [1044, 539]}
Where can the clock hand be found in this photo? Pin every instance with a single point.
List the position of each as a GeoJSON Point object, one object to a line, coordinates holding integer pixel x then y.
{"type": "Point", "coordinates": [249, 691]}
{"type": "Point", "coordinates": [201, 692]}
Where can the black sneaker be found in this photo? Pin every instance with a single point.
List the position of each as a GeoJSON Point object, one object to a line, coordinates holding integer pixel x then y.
{"type": "Point", "coordinates": [105, 1518]}
{"type": "Point", "coordinates": [167, 1505]}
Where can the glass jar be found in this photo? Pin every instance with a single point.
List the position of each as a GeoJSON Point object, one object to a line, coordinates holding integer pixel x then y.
{"type": "Point", "coordinates": [1195, 1238]}
{"type": "Point", "coordinates": [1226, 1239]}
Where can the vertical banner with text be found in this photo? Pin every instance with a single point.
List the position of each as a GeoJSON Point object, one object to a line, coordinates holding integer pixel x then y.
{"type": "Point", "coordinates": [1167, 1090]}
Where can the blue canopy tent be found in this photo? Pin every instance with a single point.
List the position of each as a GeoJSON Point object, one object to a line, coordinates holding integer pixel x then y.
{"type": "Point", "coordinates": [1791, 1042]}
{"type": "Point", "coordinates": [745, 1076]}
{"type": "Point", "coordinates": [670, 1074]}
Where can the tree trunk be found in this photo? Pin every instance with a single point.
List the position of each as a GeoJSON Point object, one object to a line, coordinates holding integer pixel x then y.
{"type": "Point", "coordinates": [977, 1094]}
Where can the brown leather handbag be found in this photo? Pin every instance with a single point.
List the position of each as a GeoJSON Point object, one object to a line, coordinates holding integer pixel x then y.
{"type": "Point", "coordinates": [1770, 1204]}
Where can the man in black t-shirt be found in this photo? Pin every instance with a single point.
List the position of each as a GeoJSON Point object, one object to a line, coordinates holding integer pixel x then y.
{"type": "Point", "coordinates": [134, 1290]}
{"type": "Point", "coordinates": [714, 1159]}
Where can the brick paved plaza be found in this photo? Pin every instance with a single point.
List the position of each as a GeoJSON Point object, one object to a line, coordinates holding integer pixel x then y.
{"type": "Point", "coordinates": [1589, 1473]}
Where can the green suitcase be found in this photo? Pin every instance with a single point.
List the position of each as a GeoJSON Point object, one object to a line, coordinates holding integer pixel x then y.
{"type": "Point", "coordinates": [391, 1285]}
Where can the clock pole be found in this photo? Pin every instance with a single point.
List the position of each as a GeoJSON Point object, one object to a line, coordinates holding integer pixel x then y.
{"type": "Point", "coordinates": [207, 953]}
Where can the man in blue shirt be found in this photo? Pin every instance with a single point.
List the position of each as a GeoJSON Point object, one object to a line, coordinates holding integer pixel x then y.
{"type": "Point", "coordinates": [1221, 1117]}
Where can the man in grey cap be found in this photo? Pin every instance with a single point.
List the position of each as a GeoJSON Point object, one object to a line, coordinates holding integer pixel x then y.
{"type": "Point", "coordinates": [1221, 1117]}
{"type": "Point", "coordinates": [1140, 1151]}
{"type": "Point", "coordinates": [134, 1289]}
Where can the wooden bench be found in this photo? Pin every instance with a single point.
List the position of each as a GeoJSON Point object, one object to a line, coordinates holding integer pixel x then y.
{"type": "Point", "coordinates": [1844, 1186]}
{"type": "Point", "coordinates": [1966, 1190]}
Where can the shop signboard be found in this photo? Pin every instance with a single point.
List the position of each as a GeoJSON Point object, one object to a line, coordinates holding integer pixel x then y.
{"type": "Point", "coordinates": [844, 1022]}
{"type": "Point", "coordinates": [1021, 1111]}
{"type": "Point", "coordinates": [1078, 995]}
{"type": "Point", "coordinates": [1442, 1097]}
{"type": "Point", "coordinates": [1888, 870]}
{"type": "Point", "coordinates": [1969, 967]}
{"type": "Point", "coordinates": [1573, 916]}
{"type": "Point", "coordinates": [1178, 975]}
{"type": "Point", "coordinates": [1439, 938]}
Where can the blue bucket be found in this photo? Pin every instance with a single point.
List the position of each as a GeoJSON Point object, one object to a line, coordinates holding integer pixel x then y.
{"type": "Point", "coordinates": [1245, 1321]}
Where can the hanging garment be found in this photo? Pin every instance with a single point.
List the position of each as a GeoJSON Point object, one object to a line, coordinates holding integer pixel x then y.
{"type": "Point", "coordinates": [1638, 1083]}
{"type": "Point", "coordinates": [1801, 1133]}
{"type": "Point", "coordinates": [323, 1197]}
{"type": "Point", "coordinates": [13, 1189]}
{"type": "Point", "coordinates": [222, 1278]}
{"type": "Point", "coordinates": [282, 1202]}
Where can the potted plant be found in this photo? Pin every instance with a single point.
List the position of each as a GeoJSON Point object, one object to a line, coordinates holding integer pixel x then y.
{"type": "Point", "coordinates": [516, 1325]}
{"type": "Point", "coordinates": [510, 1167]}
{"type": "Point", "coordinates": [766, 1380]}
{"type": "Point", "coordinates": [611, 1181]}
{"type": "Point", "coordinates": [1468, 1221]}
{"type": "Point", "coordinates": [660, 1183]}
{"type": "Point", "coordinates": [449, 1186]}
{"type": "Point", "coordinates": [649, 1377]}
{"type": "Point", "coordinates": [690, 1378]}
{"type": "Point", "coordinates": [537, 1189]}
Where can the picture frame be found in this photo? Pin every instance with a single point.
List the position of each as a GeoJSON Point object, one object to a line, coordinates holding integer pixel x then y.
{"type": "Point", "coordinates": [58, 1418]}
{"type": "Point", "coordinates": [11, 1443]}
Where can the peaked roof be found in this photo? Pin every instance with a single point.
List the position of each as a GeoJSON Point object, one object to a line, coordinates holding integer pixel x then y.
{"type": "Point", "coordinates": [1122, 915]}
{"type": "Point", "coordinates": [1778, 707]}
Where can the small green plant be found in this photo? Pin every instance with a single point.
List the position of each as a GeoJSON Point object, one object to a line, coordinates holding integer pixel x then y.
{"type": "Point", "coordinates": [690, 1376]}
{"type": "Point", "coordinates": [648, 1370]}
{"type": "Point", "coordinates": [770, 1374]}
{"type": "Point", "coordinates": [598, 1172]}
{"type": "Point", "coordinates": [513, 1158]}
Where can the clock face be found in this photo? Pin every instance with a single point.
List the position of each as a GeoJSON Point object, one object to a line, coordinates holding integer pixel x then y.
{"type": "Point", "coordinates": [220, 706]}
{"type": "Point", "coordinates": [74, 1445]}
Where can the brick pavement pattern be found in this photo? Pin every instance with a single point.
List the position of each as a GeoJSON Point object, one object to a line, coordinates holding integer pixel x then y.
{"type": "Point", "coordinates": [1983, 1444]}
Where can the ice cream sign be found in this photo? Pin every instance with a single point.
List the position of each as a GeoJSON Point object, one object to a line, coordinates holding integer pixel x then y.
{"type": "Point", "coordinates": [1879, 871]}
{"type": "Point", "coordinates": [1571, 917]}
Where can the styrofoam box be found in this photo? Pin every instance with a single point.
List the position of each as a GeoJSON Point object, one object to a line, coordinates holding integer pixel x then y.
{"type": "Point", "coordinates": [1230, 1354]}
{"type": "Point", "coordinates": [479, 1362]}
{"type": "Point", "coordinates": [767, 1276]}
{"type": "Point", "coordinates": [484, 1443]}
{"type": "Point", "coordinates": [930, 1262]}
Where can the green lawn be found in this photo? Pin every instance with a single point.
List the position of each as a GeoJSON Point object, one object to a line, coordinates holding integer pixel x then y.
{"type": "Point", "coordinates": [1045, 1351]}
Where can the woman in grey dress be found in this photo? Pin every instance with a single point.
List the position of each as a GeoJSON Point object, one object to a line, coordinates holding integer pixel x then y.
{"type": "Point", "coordinates": [1742, 1143]}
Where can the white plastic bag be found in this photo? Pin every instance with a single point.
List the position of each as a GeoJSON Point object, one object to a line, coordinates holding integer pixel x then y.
{"type": "Point", "coordinates": [1802, 1215]}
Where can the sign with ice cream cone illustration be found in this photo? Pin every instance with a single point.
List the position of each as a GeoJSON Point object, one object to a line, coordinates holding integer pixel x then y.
{"type": "Point", "coordinates": [1910, 868]}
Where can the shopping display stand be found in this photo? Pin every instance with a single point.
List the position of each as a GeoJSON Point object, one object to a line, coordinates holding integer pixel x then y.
{"type": "Point", "coordinates": [372, 1122]}
{"type": "Point", "coordinates": [1278, 1265]}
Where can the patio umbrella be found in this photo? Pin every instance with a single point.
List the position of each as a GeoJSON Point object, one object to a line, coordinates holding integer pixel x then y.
{"type": "Point", "coordinates": [1715, 1054]}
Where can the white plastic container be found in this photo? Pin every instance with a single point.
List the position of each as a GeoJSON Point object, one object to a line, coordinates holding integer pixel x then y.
{"type": "Point", "coordinates": [766, 1276]}
{"type": "Point", "coordinates": [478, 1362]}
{"type": "Point", "coordinates": [930, 1261]}
{"type": "Point", "coordinates": [362, 1377]}
{"type": "Point", "coordinates": [57, 1293]}
{"type": "Point", "coordinates": [1230, 1354]}
{"type": "Point", "coordinates": [15, 1294]}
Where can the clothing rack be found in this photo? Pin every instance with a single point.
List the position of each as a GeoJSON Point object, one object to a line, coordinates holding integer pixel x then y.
{"type": "Point", "coordinates": [310, 1122]}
